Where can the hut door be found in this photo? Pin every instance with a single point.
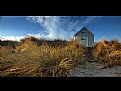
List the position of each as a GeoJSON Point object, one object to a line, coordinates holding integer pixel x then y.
{"type": "Point", "coordinates": [84, 40]}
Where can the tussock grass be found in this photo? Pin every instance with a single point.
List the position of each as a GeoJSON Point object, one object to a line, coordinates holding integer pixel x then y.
{"type": "Point", "coordinates": [108, 52]}
{"type": "Point", "coordinates": [45, 60]}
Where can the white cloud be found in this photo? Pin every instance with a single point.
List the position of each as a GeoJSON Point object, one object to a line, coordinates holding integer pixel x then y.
{"type": "Point", "coordinates": [14, 38]}
{"type": "Point", "coordinates": [55, 28]}
{"type": "Point", "coordinates": [17, 38]}
{"type": "Point", "coordinates": [51, 24]}
{"type": "Point", "coordinates": [90, 19]}
{"type": "Point", "coordinates": [35, 35]}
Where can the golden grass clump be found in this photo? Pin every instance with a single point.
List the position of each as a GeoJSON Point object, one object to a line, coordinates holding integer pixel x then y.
{"type": "Point", "coordinates": [33, 60]}
{"type": "Point", "coordinates": [108, 52]}
{"type": "Point", "coordinates": [44, 58]}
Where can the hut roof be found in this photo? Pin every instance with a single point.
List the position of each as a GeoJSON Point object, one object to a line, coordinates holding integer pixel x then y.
{"type": "Point", "coordinates": [84, 28]}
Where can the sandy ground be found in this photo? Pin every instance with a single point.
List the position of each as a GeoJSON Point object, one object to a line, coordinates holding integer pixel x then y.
{"type": "Point", "coordinates": [92, 69]}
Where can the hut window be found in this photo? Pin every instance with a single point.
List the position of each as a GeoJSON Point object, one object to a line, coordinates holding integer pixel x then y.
{"type": "Point", "coordinates": [82, 39]}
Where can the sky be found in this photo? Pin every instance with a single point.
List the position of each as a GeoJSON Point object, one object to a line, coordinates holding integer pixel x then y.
{"type": "Point", "coordinates": [59, 27]}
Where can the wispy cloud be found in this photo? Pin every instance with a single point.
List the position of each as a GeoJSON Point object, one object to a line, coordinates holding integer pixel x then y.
{"type": "Point", "coordinates": [50, 24]}
{"type": "Point", "coordinates": [62, 27]}
{"type": "Point", "coordinates": [56, 27]}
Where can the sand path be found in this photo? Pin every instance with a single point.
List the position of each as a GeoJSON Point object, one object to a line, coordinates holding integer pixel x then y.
{"type": "Point", "coordinates": [92, 69]}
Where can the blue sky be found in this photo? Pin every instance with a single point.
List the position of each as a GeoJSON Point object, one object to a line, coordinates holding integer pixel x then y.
{"type": "Point", "coordinates": [62, 27]}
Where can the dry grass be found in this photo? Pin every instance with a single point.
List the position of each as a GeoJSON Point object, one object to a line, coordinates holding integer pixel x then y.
{"type": "Point", "coordinates": [108, 52]}
{"type": "Point", "coordinates": [41, 58]}
{"type": "Point", "coordinates": [32, 60]}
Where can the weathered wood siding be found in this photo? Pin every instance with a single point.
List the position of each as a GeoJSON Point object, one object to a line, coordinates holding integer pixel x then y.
{"type": "Point", "coordinates": [91, 40]}
{"type": "Point", "coordinates": [84, 38]}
